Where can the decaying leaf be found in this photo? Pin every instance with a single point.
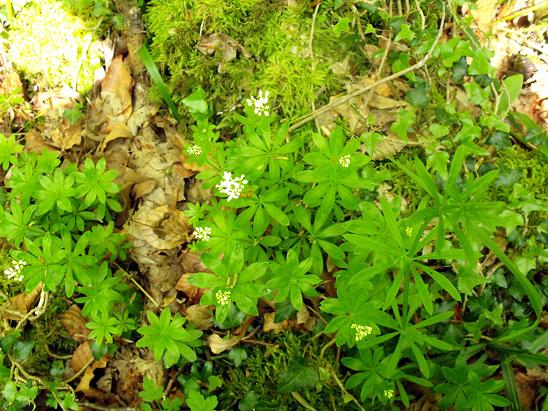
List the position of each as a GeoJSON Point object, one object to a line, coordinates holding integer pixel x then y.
{"type": "Point", "coordinates": [484, 14]}
{"type": "Point", "coordinates": [200, 316]}
{"type": "Point", "coordinates": [161, 227]}
{"type": "Point", "coordinates": [21, 304]}
{"type": "Point", "coordinates": [193, 293]}
{"type": "Point", "coordinates": [74, 323]}
{"type": "Point", "coordinates": [118, 83]}
{"type": "Point", "coordinates": [219, 345]}
{"type": "Point", "coordinates": [89, 374]}
{"type": "Point", "coordinates": [223, 46]}
{"type": "Point", "coordinates": [81, 356]}
{"type": "Point", "coordinates": [119, 130]}
{"type": "Point", "coordinates": [388, 147]}
{"type": "Point", "coordinates": [270, 325]}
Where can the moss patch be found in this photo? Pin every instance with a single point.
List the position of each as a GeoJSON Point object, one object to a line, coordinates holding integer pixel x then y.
{"type": "Point", "coordinates": [52, 48]}
{"type": "Point", "coordinates": [233, 48]}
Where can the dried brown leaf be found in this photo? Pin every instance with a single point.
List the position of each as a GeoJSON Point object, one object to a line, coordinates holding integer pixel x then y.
{"type": "Point", "coordinates": [21, 304]}
{"type": "Point", "coordinates": [119, 130]}
{"type": "Point", "coordinates": [270, 325]}
{"type": "Point", "coordinates": [89, 374]}
{"type": "Point", "coordinates": [81, 356]}
{"type": "Point", "coordinates": [200, 316]}
{"type": "Point", "coordinates": [193, 293]}
{"type": "Point", "coordinates": [74, 323]}
{"type": "Point", "coordinates": [219, 345]}
{"type": "Point", "coordinates": [118, 83]}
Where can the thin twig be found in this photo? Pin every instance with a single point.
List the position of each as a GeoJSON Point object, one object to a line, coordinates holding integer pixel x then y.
{"type": "Point", "coordinates": [326, 346]}
{"type": "Point", "coordinates": [341, 386]}
{"type": "Point", "coordinates": [80, 372]}
{"type": "Point", "coordinates": [311, 37]}
{"type": "Point", "coordinates": [365, 89]}
{"type": "Point", "coordinates": [128, 275]}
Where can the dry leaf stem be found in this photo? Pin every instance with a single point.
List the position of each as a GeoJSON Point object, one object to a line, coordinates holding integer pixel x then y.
{"type": "Point", "coordinates": [365, 89]}
{"type": "Point", "coordinates": [139, 286]}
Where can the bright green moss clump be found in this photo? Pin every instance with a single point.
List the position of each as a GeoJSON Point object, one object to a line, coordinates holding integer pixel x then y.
{"type": "Point", "coordinates": [233, 48]}
{"type": "Point", "coordinates": [52, 47]}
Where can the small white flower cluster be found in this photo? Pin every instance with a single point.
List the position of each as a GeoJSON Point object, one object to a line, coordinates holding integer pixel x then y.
{"type": "Point", "coordinates": [202, 233]}
{"type": "Point", "coordinates": [259, 104]}
{"type": "Point", "coordinates": [194, 150]}
{"type": "Point", "coordinates": [222, 297]}
{"type": "Point", "coordinates": [14, 272]}
{"type": "Point", "coordinates": [232, 186]}
{"type": "Point", "coordinates": [362, 331]}
{"type": "Point", "coordinates": [389, 393]}
{"type": "Point", "coordinates": [345, 161]}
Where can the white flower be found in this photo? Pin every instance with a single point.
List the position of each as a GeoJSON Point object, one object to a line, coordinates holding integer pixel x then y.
{"type": "Point", "coordinates": [259, 104]}
{"type": "Point", "coordinates": [362, 331]}
{"type": "Point", "coordinates": [222, 297]}
{"type": "Point", "coordinates": [194, 150]}
{"type": "Point", "coordinates": [202, 233]}
{"type": "Point", "coordinates": [14, 272]}
{"type": "Point", "coordinates": [345, 161]}
{"type": "Point", "coordinates": [232, 186]}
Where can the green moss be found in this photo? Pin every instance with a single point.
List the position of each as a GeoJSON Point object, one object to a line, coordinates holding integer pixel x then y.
{"type": "Point", "coordinates": [48, 334]}
{"type": "Point", "coordinates": [526, 167]}
{"type": "Point", "coordinates": [265, 368]}
{"type": "Point", "coordinates": [51, 47]}
{"type": "Point", "coordinates": [271, 45]}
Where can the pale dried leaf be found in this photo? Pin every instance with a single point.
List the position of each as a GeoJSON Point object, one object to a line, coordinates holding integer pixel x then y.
{"type": "Point", "coordinates": [118, 83]}
{"type": "Point", "coordinates": [387, 148]}
{"type": "Point", "coordinates": [219, 345]}
{"type": "Point", "coordinates": [119, 130]}
{"type": "Point", "coordinates": [484, 14]}
{"type": "Point", "coordinates": [21, 304]}
{"type": "Point", "coordinates": [270, 325]}
{"type": "Point", "coordinates": [143, 188]}
{"type": "Point", "coordinates": [89, 374]}
{"type": "Point", "coordinates": [200, 316]}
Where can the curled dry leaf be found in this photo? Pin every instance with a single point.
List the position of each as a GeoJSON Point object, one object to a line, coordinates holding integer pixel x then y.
{"type": "Point", "coordinates": [118, 83]}
{"type": "Point", "coordinates": [193, 293]}
{"type": "Point", "coordinates": [89, 375]}
{"type": "Point", "coordinates": [74, 323]}
{"type": "Point", "coordinates": [200, 316]}
{"type": "Point", "coordinates": [119, 130]}
{"type": "Point", "coordinates": [36, 143]}
{"type": "Point", "coordinates": [270, 325]}
{"type": "Point", "coordinates": [219, 345]}
{"type": "Point", "coordinates": [21, 304]}
{"type": "Point", "coordinates": [81, 356]}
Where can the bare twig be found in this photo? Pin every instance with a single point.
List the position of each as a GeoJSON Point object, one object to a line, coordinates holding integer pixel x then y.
{"type": "Point", "coordinates": [341, 386]}
{"type": "Point", "coordinates": [139, 286]}
{"type": "Point", "coordinates": [365, 89]}
{"type": "Point", "coordinates": [80, 372]}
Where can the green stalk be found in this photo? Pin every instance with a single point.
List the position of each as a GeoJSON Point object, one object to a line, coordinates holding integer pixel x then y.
{"type": "Point", "coordinates": [149, 64]}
